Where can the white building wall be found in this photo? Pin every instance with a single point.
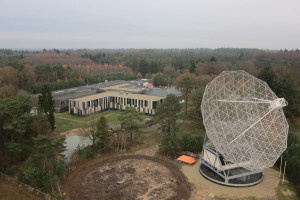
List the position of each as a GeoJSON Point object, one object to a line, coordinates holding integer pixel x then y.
{"type": "Point", "coordinates": [104, 103]}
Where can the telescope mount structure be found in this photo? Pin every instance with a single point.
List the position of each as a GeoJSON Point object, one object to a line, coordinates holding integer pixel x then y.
{"type": "Point", "coordinates": [246, 129]}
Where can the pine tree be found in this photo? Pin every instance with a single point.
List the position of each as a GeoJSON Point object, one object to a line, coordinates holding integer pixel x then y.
{"type": "Point", "coordinates": [285, 87]}
{"type": "Point", "coordinates": [196, 100]}
{"type": "Point", "coordinates": [46, 105]}
{"type": "Point", "coordinates": [102, 133]}
{"type": "Point", "coordinates": [166, 113]}
{"type": "Point", "coordinates": [213, 59]}
{"type": "Point", "coordinates": [266, 74]}
{"type": "Point", "coordinates": [169, 144]}
{"type": "Point", "coordinates": [130, 120]}
{"type": "Point", "coordinates": [45, 149]}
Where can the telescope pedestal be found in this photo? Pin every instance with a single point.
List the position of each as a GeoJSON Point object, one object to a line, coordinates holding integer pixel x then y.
{"type": "Point", "coordinates": [213, 168]}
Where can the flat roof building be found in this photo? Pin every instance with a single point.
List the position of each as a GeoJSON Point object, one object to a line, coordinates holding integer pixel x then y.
{"type": "Point", "coordinates": [114, 100]}
{"type": "Point", "coordinates": [61, 97]}
{"type": "Point", "coordinates": [117, 95]}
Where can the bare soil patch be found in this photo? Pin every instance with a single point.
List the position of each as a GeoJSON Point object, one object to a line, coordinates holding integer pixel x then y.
{"type": "Point", "coordinates": [75, 131]}
{"type": "Point", "coordinates": [128, 177]}
{"type": "Point", "coordinates": [204, 188]}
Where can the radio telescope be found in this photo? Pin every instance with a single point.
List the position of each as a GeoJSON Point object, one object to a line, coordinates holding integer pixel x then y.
{"type": "Point", "coordinates": [246, 128]}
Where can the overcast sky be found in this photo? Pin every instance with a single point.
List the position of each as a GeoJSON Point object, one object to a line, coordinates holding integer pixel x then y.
{"type": "Point", "coordinates": [265, 24]}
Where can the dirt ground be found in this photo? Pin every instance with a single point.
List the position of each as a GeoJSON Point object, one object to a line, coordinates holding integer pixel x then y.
{"type": "Point", "coordinates": [75, 131]}
{"type": "Point", "coordinates": [204, 189]}
{"type": "Point", "coordinates": [133, 176]}
{"type": "Point", "coordinates": [143, 175]}
{"type": "Point", "coordinates": [9, 191]}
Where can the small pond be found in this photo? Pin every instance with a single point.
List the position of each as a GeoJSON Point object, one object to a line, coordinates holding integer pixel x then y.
{"type": "Point", "coordinates": [71, 144]}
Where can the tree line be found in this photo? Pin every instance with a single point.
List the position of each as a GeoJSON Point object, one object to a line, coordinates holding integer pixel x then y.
{"type": "Point", "coordinates": [27, 145]}
{"type": "Point", "coordinates": [59, 76]}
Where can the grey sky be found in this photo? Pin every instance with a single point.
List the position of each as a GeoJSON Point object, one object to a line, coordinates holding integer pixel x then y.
{"type": "Point", "coordinates": [266, 24]}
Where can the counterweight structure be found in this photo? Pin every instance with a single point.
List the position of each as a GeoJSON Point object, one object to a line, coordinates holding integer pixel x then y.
{"type": "Point", "coordinates": [246, 128]}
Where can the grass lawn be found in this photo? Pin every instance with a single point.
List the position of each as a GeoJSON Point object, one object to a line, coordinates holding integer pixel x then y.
{"type": "Point", "coordinates": [247, 198]}
{"type": "Point", "coordinates": [183, 116]}
{"type": "Point", "coordinates": [113, 119]}
{"type": "Point", "coordinates": [63, 125]}
{"type": "Point", "coordinates": [191, 128]}
{"type": "Point", "coordinates": [284, 192]}
{"type": "Point", "coordinates": [153, 139]}
{"type": "Point", "coordinates": [186, 127]}
{"type": "Point", "coordinates": [287, 191]}
{"type": "Point", "coordinates": [65, 121]}
{"type": "Point", "coordinates": [87, 118]}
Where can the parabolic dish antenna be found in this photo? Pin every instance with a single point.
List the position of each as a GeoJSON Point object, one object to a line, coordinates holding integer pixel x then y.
{"type": "Point", "coordinates": [244, 121]}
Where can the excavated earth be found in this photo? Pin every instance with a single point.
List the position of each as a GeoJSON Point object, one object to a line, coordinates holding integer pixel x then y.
{"type": "Point", "coordinates": [128, 177]}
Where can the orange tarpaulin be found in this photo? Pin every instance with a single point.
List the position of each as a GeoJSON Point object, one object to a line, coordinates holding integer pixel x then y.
{"type": "Point", "coordinates": [186, 159]}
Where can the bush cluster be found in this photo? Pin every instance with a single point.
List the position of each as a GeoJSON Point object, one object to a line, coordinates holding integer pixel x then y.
{"type": "Point", "coordinates": [171, 144]}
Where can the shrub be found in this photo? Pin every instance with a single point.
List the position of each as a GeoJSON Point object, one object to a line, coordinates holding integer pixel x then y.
{"type": "Point", "coordinates": [169, 144]}
{"type": "Point", "coordinates": [7, 170]}
{"type": "Point", "coordinates": [85, 153]}
{"type": "Point", "coordinates": [191, 143]}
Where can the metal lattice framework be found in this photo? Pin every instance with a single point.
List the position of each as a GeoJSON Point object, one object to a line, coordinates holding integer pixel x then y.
{"type": "Point", "coordinates": [244, 120]}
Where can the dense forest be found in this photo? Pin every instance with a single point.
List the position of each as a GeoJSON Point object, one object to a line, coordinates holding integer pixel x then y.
{"type": "Point", "coordinates": [26, 71]}
{"type": "Point", "coordinates": [29, 139]}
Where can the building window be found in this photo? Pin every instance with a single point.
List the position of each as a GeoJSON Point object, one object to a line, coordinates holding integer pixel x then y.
{"type": "Point", "coordinates": [146, 103]}
{"type": "Point", "coordinates": [83, 105]}
{"type": "Point", "coordinates": [128, 101]}
{"type": "Point", "coordinates": [154, 104]}
{"type": "Point", "coordinates": [89, 104]}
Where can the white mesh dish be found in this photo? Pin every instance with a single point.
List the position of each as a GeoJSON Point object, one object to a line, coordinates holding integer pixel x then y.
{"type": "Point", "coordinates": [244, 120]}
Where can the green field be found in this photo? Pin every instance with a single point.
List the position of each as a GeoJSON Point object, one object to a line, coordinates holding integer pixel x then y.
{"type": "Point", "coordinates": [65, 121]}
{"type": "Point", "coordinates": [86, 118]}
{"type": "Point", "coordinates": [63, 125]}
